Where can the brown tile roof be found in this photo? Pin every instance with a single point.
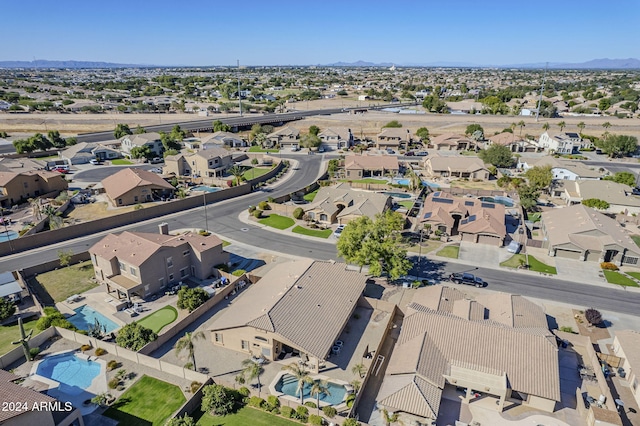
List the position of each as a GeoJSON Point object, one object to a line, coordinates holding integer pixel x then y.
{"type": "Point", "coordinates": [356, 202]}
{"type": "Point", "coordinates": [454, 164]}
{"type": "Point", "coordinates": [513, 310]}
{"type": "Point", "coordinates": [285, 131]}
{"type": "Point", "coordinates": [410, 394]}
{"type": "Point", "coordinates": [450, 139]}
{"type": "Point", "coordinates": [127, 179]}
{"type": "Point", "coordinates": [505, 138]}
{"type": "Point", "coordinates": [371, 162]}
{"type": "Point", "coordinates": [6, 177]}
{"type": "Point", "coordinates": [403, 134]}
{"type": "Point", "coordinates": [297, 297]}
{"type": "Point", "coordinates": [10, 391]}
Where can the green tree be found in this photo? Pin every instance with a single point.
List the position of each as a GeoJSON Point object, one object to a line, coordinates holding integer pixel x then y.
{"type": "Point", "coordinates": [219, 126]}
{"type": "Point", "coordinates": [301, 375]}
{"type": "Point", "coordinates": [310, 141]}
{"type": "Point", "coordinates": [472, 128]}
{"type": "Point", "coordinates": [521, 124]}
{"type": "Point", "coordinates": [185, 420]}
{"type": "Point", "coordinates": [606, 125]}
{"type": "Point", "coordinates": [168, 141]}
{"type": "Point", "coordinates": [423, 133]}
{"type": "Point", "coordinates": [7, 308]}
{"type": "Point", "coordinates": [56, 139]}
{"type": "Point", "coordinates": [388, 418]}
{"type": "Point", "coordinates": [351, 422]}
{"type": "Point", "coordinates": [376, 243]}
{"type": "Point", "coordinates": [314, 130]}
{"type": "Point", "coordinates": [65, 257]}
{"type": "Point", "coordinates": [433, 103]}
{"type": "Point", "coordinates": [139, 130]}
{"type": "Point", "coordinates": [626, 178]}
{"type": "Point", "coordinates": [581, 126]}
{"type": "Point", "coordinates": [393, 124]}
{"type": "Point", "coordinates": [596, 203]}
{"type": "Point", "coordinates": [134, 336]}
{"type": "Point", "coordinates": [545, 127]}
{"type": "Point", "coordinates": [528, 197]}
{"type": "Point", "coordinates": [71, 141]}
{"type": "Point", "coordinates": [318, 388]}
{"type": "Point", "coordinates": [539, 177]}
{"type": "Point", "coordinates": [217, 399]}
{"type": "Point", "coordinates": [252, 370]}
{"type": "Point", "coordinates": [562, 125]}
{"type": "Point", "coordinates": [298, 213]}
{"type": "Point", "coordinates": [256, 129]}
{"type": "Point", "coordinates": [191, 298]}
{"type": "Point", "coordinates": [619, 145]}
{"type": "Point", "coordinates": [359, 369]}
{"type": "Point", "coordinates": [177, 134]}
{"type": "Point", "coordinates": [333, 166]}
{"type": "Point", "coordinates": [141, 152]}
{"type": "Point", "coordinates": [498, 155]}
{"type": "Point", "coordinates": [121, 130]}
{"type": "Point", "coordinates": [604, 104]}
{"type": "Point", "coordinates": [187, 343]}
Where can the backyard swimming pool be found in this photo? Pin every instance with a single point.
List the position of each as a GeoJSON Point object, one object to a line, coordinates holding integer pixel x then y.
{"type": "Point", "coordinates": [67, 369]}
{"type": "Point", "coordinates": [203, 188]}
{"type": "Point", "coordinates": [397, 194]}
{"type": "Point", "coordinates": [424, 182]}
{"type": "Point", "coordinates": [85, 317]}
{"type": "Point", "coordinates": [288, 384]}
{"type": "Point", "coordinates": [8, 235]}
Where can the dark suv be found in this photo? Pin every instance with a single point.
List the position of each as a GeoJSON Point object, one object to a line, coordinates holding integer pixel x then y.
{"type": "Point", "coordinates": [468, 279]}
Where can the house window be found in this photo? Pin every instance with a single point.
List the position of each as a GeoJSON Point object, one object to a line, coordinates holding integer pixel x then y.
{"type": "Point", "coordinates": [146, 289]}
{"type": "Point", "coordinates": [135, 199]}
{"type": "Point", "coordinates": [120, 201]}
{"type": "Point", "coordinates": [133, 271]}
{"type": "Point", "coordinates": [630, 260]}
{"type": "Point", "coordinates": [262, 339]}
{"type": "Point", "coordinates": [162, 283]}
{"type": "Point", "coordinates": [217, 337]}
{"type": "Point", "coordinates": [26, 184]}
{"type": "Point", "coordinates": [183, 272]}
{"type": "Point", "coordinates": [170, 277]}
{"type": "Point", "coordinates": [245, 345]}
{"type": "Point", "coordinates": [94, 259]}
{"type": "Point", "coordinates": [122, 266]}
{"type": "Point", "coordinates": [185, 253]}
{"type": "Point", "coordinates": [169, 262]}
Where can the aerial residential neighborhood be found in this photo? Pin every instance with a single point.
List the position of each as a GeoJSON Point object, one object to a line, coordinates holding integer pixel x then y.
{"type": "Point", "coordinates": [447, 235]}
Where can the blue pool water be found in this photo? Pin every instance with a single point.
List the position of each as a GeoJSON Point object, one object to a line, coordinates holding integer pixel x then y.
{"type": "Point", "coordinates": [397, 194]}
{"type": "Point", "coordinates": [424, 182]}
{"type": "Point", "coordinates": [86, 316]}
{"type": "Point", "coordinates": [69, 370]}
{"type": "Point", "coordinates": [206, 188]}
{"type": "Point", "coordinates": [288, 384]}
{"type": "Point", "coordinates": [8, 235]}
{"type": "Point", "coordinates": [506, 201]}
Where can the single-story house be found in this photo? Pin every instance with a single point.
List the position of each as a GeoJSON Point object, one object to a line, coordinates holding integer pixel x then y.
{"type": "Point", "coordinates": [287, 137]}
{"type": "Point", "coordinates": [619, 196]}
{"type": "Point", "coordinates": [626, 345]}
{"type": "Point", "coordinates": [582, 233]}
{"type": "Point", "coordinates": [10, 287]}
{"type": "Point", "coordinates": [497, 345]}
{"type": "Point", "coordinates": [466, 106]}
{"type": "Point", "coordinates": [133, 186]}
{"type": "Point", "coordinates": [341, 204]}
{"type": "Point", "coordinates": [18, 187]}
{"type": "Point", "coordinates": [455, 167]}
{"type": "Point", "coordinates": [362, 166]}
{"type": "Point", "coordinates": [273, 318]}
{"type": "Point", "coordinates": [473, 219]}
{"type": "Point", "coordinates": [394, 138]}
{"type": "Point", "coordinates": [146, 263]}
{"type": "Point", "coordinates": [83, 152]}
{"type": "Point", "coordinates": [513, 142]}
{"type": "Point", "coordinates": [335, 138]}
{"type": "Point", "coordinates": [227, 139]}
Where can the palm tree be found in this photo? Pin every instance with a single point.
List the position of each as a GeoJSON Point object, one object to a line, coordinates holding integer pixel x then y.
{"type": "Point", "coordinates": [35, 207]}
{"type": "Point", "coordinates": [356, 385]}
{"type": "Point", "coordinates": [253, 370]}
{"type": "Point", "coordinates": [187, 343]}
{"type": "Point", "coordinates": [302, 376]}
{"type": "Point", "coordinates": [521, 124]}
{"type": "Point", "coordinates": [317, 388]}
{"type": "Point", "coordinates": [414, 180]}
{"type": "Point", "coordinates": [359, 369]}
{"type": "Point", "coordinates": [55, 219]}
{"type": "Point", "coordinates": [546, 126]}
{"type": "Point", "coordinates": [388, 419]}
{"type": "Point", "coordinates": [513, 126]}
{"type": "Point", "coordinates": [581, 126]}
{"type": "Point", "coordinates": [562, 125]}
{"type": "Point", "coordinates": [237, 172]}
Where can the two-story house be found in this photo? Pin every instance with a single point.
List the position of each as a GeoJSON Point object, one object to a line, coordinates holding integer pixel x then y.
{"type": "Point", "coordinates": [362, 166]}
{"type": "Point", "coordinates": [152, 140]}
{"type": "Point", "coordinates": [136, 263]}
{"type": "Point", "coordinates": [451, 142]}
{"type": "Point", "coordinates": [394, 138]}
{"type": "Point", "coordinates": [206, 163]}
{"type": "Point", "coordinates": [561, 143]}
{"type": "Point", "coordinates": [335, 138]}
{"type": "Point", "coordinates": [16, 188]}
{"type": "Point", "coordinates": [287, 137]}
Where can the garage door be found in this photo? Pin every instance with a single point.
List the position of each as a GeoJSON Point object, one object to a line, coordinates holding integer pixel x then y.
{"type": "Point", "coordinates": [469, 237]}
{"type": "Point", "coordinates": [568, 254]}
{"type": "Point", "coordinates": [594, 255]}
{"type": "Point", "coordinates": [489, 239]}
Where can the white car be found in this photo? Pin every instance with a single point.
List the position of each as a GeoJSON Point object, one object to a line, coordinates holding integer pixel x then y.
{"type": "Point", "coordinates": [95, 161]}
{"type": "Point", "coordinates": [338, 231]}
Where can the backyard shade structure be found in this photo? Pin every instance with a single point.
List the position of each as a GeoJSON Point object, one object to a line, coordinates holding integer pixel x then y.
{"type": "Point", "coordinates": [9, 285]}
{"type": "Point", "coordinates": [303, 305]}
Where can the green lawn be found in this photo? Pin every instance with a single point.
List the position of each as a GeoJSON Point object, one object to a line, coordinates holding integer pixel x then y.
{"type": "Point", "coordinates": [366, 180]}
{"type": "Point", "coordinates": [635, 275]}
{"type": "Point", "coordinates": [614, 277]}
{"type": "Point", "coordinates": [258, 149]}
{"type": "Point", "coordinates": [534, 217]}
{"type": "Point", "coordinates": [406, 204]}
{"type": "Point", "coordinates": [246, 416]}
{"type": "Point", "coordinates": [148, 402]}
{"type": "Point", "coordinates": [225, 243]}
{"type": "Point", "coordinates": [11, 333]}
{"type": "Point", "coordinates": [121, 162]}
{"type": "Point", "coordinates": [320, 233]}
{"type": "Point", "coordinates": [636, 239]}
{"type": "Point", "coordinates": [534, 264]}
{"type": "Point", "coordinates": [310, 196]}
{"type": "Point", "coordinates": [57, 285]}
{"type": "Point", "coordinates": [159, 319]}
{"type": "Point", "coordinates": [449, 251]}
{"type": "Point", "coordinates": [277, 221]}
{"type": "Point", "coordinates": [427, 246]}
{"type": "Point", "coordinates": [255, 172]}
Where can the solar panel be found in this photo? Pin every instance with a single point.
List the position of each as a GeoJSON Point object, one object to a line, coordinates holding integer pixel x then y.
{"type": "Point", "coordinates": [436, 194]}
{"type": "Point", "coordinates": [443, 200]}
{"type": "Point", "coordinates": [488, 205]}
{"type": "Point", "coordinates": [471, 218]}
{"type": "Point", "coordinates": [427, 215]}
{"type": "Point", "coordinates": [469, 203]}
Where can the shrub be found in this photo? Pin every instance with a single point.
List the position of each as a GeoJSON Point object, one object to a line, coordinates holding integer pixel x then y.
{"type": "Point", "coordinates": [263, 205]}
{"type": "Point", "coordinates": [329, 411]}
{"type": "Point", "coordinates": [7, 308]}
{"type": "Point", "coordinates": [257, 214]}
{"type": "Point", "coordinates": [191, 298]}
{"type": "Point", "coordinates": [204, 233]}
{"type": "Point", "coordinates": [608, 266]}
{"type": "Point", "coordinates": [85, 347]}
{"type": "Point", "coordinates": [273, 401]}
{"type": "Point", "coordinates": [54, 318]}
{"type": "Point", "coordinates": [113, 383]}
{"type": "Point", "coordinates": [195, 386]}
{"type": "Point", "coordinates": [350, 422]}
{"type": "Point", "coordinates": [244, 391]}
{"type": "Point", "coordinates": [230, 183]}
{"type": "Point", "coordinates": [254, 161]}
{"type": "Point", "coordinates": [256, 401]}
{"type": "Point", "coordinates": [315, 420]}
{"type": "Point", "coordinates": [350, 400]}
{"type": "Point", "coordinates": [567, 329]}
{"type": "Point", "coordinates": [302, 413]}
{"type": "Point", "coordinates": [298, 213]}
{"type": "Point", "coordinates": [311, 404]}
{"type": "Point", "coordinates": [134, 336]}
{"type": "Point", "coordinates": [286, 412]}
{"type": "Point", "coordinates": [113, 364]}
{"type": "Point", "coordinates": [100, 351]}
{"type": "Point", "coordinates": [593, 316]}
{"type": "Point", "coordinates": [217, 399]}
{"type": "Point", "coordinates": [252, 209]}
{"type": "Point", "coordinates": [34, 351]}
{"type": "Point", "coordinates": [238, 272]}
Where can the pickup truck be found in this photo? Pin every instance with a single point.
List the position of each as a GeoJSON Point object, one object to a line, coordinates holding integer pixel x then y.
{"type": "Point", "coordinates": [468, 279]}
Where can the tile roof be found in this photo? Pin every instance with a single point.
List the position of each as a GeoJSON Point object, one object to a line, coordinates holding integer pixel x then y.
{"type": "Point", "coordinates": [505, 138]}
{"type": "Point", "coordinates": [10, 391]}
{"type": "Point", "coordinates": [450, 139]}
{"type": "Point", "coordinates": [356, 202]}
{"type": "Point", "coordinates": [392, 132]}
{"type": "Point", "coordinates": [454, 164]}
{"type": "Point", "coordinates": [296, 297]}
{"type": "Point", "coordinates": [410, 394]}
{"type": "Point", "coordinates": [285, 131]}
{"type": "Point", "coordinates": [371, 162]}
{"type": "Point", "coordinates": [142, 138]}
{"type": "Point", "coordinates": [127, 179]}
{"type": "Point", "coordinates": [607, 190]}
{"type": "Point", "coordinates": [479, 218]}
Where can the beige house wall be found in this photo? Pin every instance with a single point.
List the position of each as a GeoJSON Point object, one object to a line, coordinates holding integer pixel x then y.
{"type": "Point", "coordinates": [139, 194]}
{"type": "Point", "coordinates": [23, 187]}
{"type": "Point", "coordinates": [632, 377]}
{"type": "Point", "coordinates": [31, 418]}
{"type": "Point", "coordinates": [540, 403]}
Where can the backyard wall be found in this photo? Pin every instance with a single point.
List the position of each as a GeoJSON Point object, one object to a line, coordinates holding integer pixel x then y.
{"type": "Point", "coordinates": [16, 353]}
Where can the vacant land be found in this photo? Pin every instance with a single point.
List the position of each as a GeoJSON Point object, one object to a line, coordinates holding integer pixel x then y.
{"type": "Point", "coordinates": [277, 221]}
{"type": "Point", "coordinates": [93, 211]}
{"type": "Point", "coordinates": [57, 285]}
{"type": "Point", "coordinates": [148, 402]}
{"type": "Point", "coordinates": [245, 416]}
{"type": "Point", "coordinates": [11, 333]}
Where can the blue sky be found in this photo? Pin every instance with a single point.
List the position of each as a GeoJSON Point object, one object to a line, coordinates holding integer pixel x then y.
{"type": "Point", "coordinates": [272, 32]}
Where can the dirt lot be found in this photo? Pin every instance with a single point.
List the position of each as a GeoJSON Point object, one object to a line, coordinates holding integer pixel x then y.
{"type": "Point", "coordinates": [97, 210]}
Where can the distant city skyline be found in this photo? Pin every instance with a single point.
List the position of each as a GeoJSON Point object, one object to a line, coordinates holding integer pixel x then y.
{"type": "Point", "coordinates": [206, 33]}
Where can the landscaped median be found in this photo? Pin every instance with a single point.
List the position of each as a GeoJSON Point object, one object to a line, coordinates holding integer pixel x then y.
{"type": "Point", "coordinates": [520, 260]}
{"type": "Point", "coordinates": [283, 222]}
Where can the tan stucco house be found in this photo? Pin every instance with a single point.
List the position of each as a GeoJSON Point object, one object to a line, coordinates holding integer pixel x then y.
{"type": "Point", "coordinates": [626, 345]}
{"type": "Point", "coordinates": [619, 196]}
{"type": "Point", "coordinates": [342, 204]}
{"type": "Point", "coordinates": [394, 138]}
{"type": "Point", "coordinates": [362, 166]}
{"type": "Point", "coordinates": [455, 167]}
{"type": "Point", "coordinates": [133, 186]}
{"type": "Point", "coordinates": [206, 163]}
{"type": "Point", "coordinates": [287, 137]}
{"type": "Point", "coordinates": [451, 142]}
{"type": "Point", "coordinates": [16, 188]}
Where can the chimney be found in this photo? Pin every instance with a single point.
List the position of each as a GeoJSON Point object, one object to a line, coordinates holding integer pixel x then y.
{"type": "Point", "coordinates": [164, 228]}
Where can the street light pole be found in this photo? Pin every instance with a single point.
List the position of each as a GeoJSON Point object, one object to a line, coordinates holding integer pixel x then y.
{"type": "Point", "coordinates": [420, 252]}
{"type": "Point", "coordinates": [206, 219]}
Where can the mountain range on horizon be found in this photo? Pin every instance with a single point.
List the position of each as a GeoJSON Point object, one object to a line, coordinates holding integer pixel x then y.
{"type": "Point", "coordinates": [604, 63]}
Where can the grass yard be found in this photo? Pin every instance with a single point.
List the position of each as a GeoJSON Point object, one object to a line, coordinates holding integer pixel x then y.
{"type": "Point", "coordinates": [258, 149]}
{"type": "Point", "coordinates": [449, 251]}
{"type": "Point", "coordinates": [535, 217]}
{"type": "Point", "coordinates": [159, 319]}
{"type": "Point", "coordinates": [255, 172]}
{"type": "Point", "coordinates": [366, 180]}
{"type": "Point", "coordinates": [319, 233]}
{"type": "Point", "coordinates": [148, 402]}
{"type": "Point", "coordinates": [57, 285]}
{"type": "Point", "coordinates": [636, 239]}
{"type": "Point", "coordinates": [406, 204]}
{"type": "Point", "coordinates": [246, 416]}
{"type": "Point", "coordinates": [635, 275]}
{"type": "Point", "coordinates": [310, 196]}
{"type": "Point", "coordinates": [614, 277]}
{"type": "Point", "coordinates": [427, 246]}
{"type": "Point", "coordinates": [225, 243]}
{"type": "Point", "coordinates": [534, 264]}
{"type": "Point", "coordinates": [11, 333]}
{"type": "Point", "coordinates": [277, 221]}
{"type": "Point", "coordinates": [121, 162]}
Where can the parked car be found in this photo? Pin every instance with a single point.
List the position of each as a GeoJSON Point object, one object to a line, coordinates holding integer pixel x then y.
{"type": "Point", "coordinates": [410, 153]}
{"type": "Point", "coordinates": [156, 170]}
{"type": "Point", "coordinates": [95, 162]}
{"type": "Point", "coordinates": [422, 153]}
{"type": "Point", "coordinates": [60, 170]}
{"type": "Point", "coordinates": [514, 247]}
{"type": "Point", "coordinates": [467, 278]}
{"type": "Point", "coordinates": [156, 160]}
{"type": "Point", "coordinates": [338, 231]}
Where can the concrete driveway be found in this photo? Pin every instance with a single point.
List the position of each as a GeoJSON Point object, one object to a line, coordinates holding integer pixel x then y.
{"type": "Point", "coordinates": [579, 271]}
{"type": "Point", "coordinates": [483, 254]}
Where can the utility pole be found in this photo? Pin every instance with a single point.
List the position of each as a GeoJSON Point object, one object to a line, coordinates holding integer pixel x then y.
{"type": "Point", "coordinates": [206, 219]}
{"type": "Point", "coordinates": [239, 97]}
{"type": "Point", "coordinates": [544, 78]}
